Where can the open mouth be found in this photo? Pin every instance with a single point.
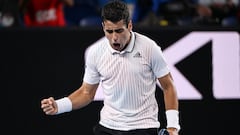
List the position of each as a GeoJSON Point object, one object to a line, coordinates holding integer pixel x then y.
{"type": "Point", "coordinates": [116, 44]}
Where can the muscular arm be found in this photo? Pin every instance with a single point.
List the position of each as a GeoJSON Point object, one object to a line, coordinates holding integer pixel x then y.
{"type": "Point", "coordinates": [79, 98]}
{"type": "Point", "coordinates": [170, 98]}
{"type": "Point", "coordinates": [169, 91]}
{"type": "Point", "coordinates": [83, 96]}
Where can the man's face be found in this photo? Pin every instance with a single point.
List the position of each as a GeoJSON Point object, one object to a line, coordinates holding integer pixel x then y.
{"type": "Point", "coordinates": [118, 33]}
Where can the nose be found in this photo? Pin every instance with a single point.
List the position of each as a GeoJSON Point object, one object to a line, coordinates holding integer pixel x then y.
{"type": "Point", "coordinates": [114, 36]}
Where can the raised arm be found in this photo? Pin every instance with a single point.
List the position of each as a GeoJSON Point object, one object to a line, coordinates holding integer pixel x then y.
{"type": "Point", "coordinates": [76, 100]}
{"type": "Point", "coordinates": [83, 96]}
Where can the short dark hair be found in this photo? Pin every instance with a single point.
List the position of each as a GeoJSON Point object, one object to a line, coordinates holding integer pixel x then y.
{"type": "Point", "coordinates": [114, 11]}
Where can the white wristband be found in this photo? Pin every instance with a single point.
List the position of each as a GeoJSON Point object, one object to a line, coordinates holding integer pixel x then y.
{"type": "Point", "coordinates": [172, 119]}
{"type": "Point", "coordinates": [64, 105]}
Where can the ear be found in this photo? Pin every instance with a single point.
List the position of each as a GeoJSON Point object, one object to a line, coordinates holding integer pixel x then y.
{"type": "Point", "coordinates": [130, 25]}
{"type": "Point", "coordinates": [103, 24]}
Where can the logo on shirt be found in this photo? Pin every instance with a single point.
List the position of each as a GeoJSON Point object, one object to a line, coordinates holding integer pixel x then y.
{"type": "Point", "coordinates": [137, 55]}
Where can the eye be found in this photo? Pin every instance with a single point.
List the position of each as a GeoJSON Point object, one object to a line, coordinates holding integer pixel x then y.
{"type": "Point", "coordinates": [109, 31]}
{"type": "Point", "coordinates": [119, 30]}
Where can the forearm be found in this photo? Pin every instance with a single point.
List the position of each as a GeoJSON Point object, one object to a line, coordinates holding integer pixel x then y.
{"type": "Point", "coordinates": [171, 104]}
{"type": "Point", "coordinates": [76, 100]}
{"type": "Point", "coordinates": [172, 113]}
{"type": "Point", "coordinates": [80, 98]}
{"type": "Point", "coordinates": [170, 99]}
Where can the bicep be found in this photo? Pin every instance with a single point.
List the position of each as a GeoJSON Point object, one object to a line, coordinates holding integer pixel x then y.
{"type": "Point", "coordinates": [89, 89]}
{"type": "Point", "coordinates": [166, 81]}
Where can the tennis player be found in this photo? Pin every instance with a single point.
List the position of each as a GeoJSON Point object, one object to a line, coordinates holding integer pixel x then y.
{"type": "Point", "coordinates": [128, 66]}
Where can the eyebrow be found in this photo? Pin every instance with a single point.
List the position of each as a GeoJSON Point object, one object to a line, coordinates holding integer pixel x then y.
{"type": "Point", "coordinates": [117, 30]}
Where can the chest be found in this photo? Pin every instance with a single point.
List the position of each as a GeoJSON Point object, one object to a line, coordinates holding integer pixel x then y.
{"type": "Point", "coordinates": [127, 64]}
